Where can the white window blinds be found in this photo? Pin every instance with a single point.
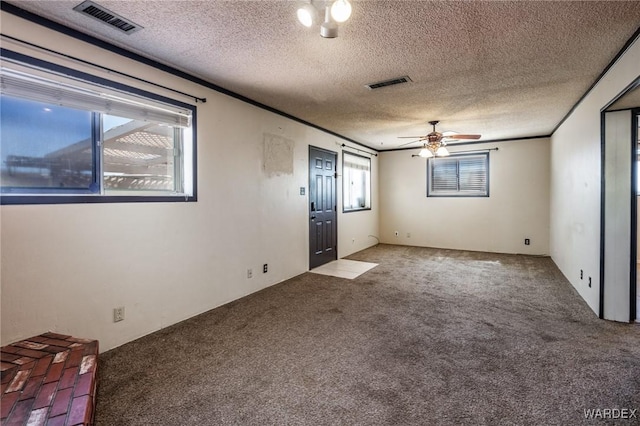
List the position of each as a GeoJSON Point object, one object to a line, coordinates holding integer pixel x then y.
{"type": "Point", "coordinates": [66, 92]}
{"type": "Point", "coordinates": [462, 175]}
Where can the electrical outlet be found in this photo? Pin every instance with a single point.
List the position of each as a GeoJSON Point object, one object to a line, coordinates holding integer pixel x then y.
{"type": "Point", "coordinates": [265, 268]}
{"type": "Point", "coordinates": [118, 314]}
{"type": "Point", "coordinates": [249, 273]}
{"type": "Point", "coordinates": [408, 234]}
{"type": "Point", "coordinates": [397, 233]}
{"type": "Point", "coordinates": [353, 241]}
{"type": "Point", "coordinates": [589, 282]}
{"type": "Point", "coordinates": [527, 241]}
{"type": "Point", "coordinates": [581, 274]}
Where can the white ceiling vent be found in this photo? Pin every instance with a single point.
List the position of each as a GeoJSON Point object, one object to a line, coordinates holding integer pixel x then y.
{"type": "Point", "coordinates": [391, 82]}
{"type": "Point", "coordinates": [98, 12]}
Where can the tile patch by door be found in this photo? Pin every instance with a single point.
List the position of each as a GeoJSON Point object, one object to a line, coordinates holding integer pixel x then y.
{"type": "Point", "coordinates": [344, 268]}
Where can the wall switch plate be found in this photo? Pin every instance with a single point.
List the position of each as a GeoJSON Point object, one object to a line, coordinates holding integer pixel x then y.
{"type": "Point", "coordinates": [249, 273]}
{"type": "Point", "coordinates": [118, 314]}
{"type": "Point", "coordinates": [265, 268]}
{"type": "Point", "coordinates": [302, 190]}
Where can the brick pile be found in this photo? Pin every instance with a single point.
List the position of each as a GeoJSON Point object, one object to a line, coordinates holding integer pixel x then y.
{"type": "Point", "coordinates": [49, 380]}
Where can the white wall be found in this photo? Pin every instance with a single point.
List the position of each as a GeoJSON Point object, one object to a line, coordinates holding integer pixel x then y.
{"type": "Point", "coordinates": [65, 267]}
{"type": "Point", "coordinates": [575, 181]}
{"type": "Point", "coordinates": [518, 206]}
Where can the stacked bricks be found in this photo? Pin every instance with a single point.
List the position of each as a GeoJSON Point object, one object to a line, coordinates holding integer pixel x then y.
{"type": "Point", "coordinates": [49, 380]}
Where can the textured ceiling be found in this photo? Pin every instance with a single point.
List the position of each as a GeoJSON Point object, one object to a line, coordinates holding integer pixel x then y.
{"type": "Point", "coordinates": [506, 69]}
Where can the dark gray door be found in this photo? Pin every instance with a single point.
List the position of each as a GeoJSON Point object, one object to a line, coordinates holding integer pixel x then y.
{"type": "Point", "coordinates": [323, 240]}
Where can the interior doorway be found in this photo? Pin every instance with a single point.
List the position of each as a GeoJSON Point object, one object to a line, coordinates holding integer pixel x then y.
{"type": "Point", "coordinates": [635, 240]}
{"type": "Point", "coordinates": [620, 198]}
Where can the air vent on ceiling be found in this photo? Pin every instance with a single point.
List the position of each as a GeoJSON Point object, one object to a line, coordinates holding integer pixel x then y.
{"type": "Point", "coordinates": [98, 12]}
{"type": "Point", "coordinates": [391, 82]}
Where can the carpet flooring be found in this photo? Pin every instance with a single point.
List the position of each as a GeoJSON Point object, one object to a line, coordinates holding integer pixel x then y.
{"type": "Point", "coordinates": [427, 337]}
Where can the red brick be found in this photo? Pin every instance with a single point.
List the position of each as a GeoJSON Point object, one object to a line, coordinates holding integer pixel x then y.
{"type": "Point", "coordinates": [7, 357]}
{"type": "Point", "coordinates": [58, 342]}
{"type": "Point", "coordinates": [80, 411]}
{"type": "Point", "coordinates": [7, 375]}
{"type": "Point", "coordinates": [4, 366]}
{"type": "Point", "coordinates": [28, 366]}
{"type": "Point", "coordinates": [42, 366]}
{"type": "Point", "coordinates": [91, 348]}
{"type": "Point", "coordinates": [32, 387]}
{"type": "Point", "coordinates": [84, 385]}
{"type": "Point", "coordinates": [54, 373]}
{"type": "Point", "coordinates": [45, 396]}
{"type": "Point", "coordinates": [37, 417]}
{"type": "Point", "coordinates": [38, 339]}
{"type": "Point", "coordinates": [3, 387]}
{"type": "Point", "coordinates": [52, 350]}
{"type": "Point", "coordinates": [61, 402]}
{"type": "Point", "coordinates": [18, 381]}
{"type": "Point", "coordinates": [74, 359]}
{"type": "Point", "coordinates": [79, 340]}
{"type": "Point", "coordinates": [51, 335]}
{"type": "Point", "coordinates": [8, 399]}
{"type": "Point", "coordinates": [57, 421]}
{"type": "Point", "coordinates": [20, 413]}
{"type": "Point", "coordinates": [68, 378]}
{"type": "Point", "coordinates": [10, 349]}
{"type": "Point", "coordinates": [31, 353]}
{"type": "Point", "coordinates": [88, 364]}
{"type": "Point", "coordinates": [23, 360]}
{"type": "Point", "coordinates": [30, 345]}
{"type": "Point", "coordinates": [61, 357]}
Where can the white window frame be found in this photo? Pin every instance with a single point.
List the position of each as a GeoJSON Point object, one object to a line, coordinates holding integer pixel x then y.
{"type": "Point", "coordinates": [355, 168]}
{"type": "Point", "coordinates": [460, 181]}
{"type": "Point", "coordinates": [36, 80]}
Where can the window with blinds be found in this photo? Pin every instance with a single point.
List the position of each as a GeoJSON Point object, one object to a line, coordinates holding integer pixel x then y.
{"type": "Point", "coordinates": [71, 137]}
{"type": "Point", "coordinates": [463, 175]}
{"type": "Point", "coordinates": [356, 182]}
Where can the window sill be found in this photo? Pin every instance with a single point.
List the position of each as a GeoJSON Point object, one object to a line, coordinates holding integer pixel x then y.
{"type": "Point", "coordinates": [81, 199]}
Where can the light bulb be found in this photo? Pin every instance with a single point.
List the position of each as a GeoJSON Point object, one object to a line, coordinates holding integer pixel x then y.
{"type": "Point", "coordinates": [341, 10]}
{"type": "Point", "coordinates": [442, 152]}
{"type": "Point", "coordinates": [306, 14]}
{"type": "Point", "coordinates": [425, 153]}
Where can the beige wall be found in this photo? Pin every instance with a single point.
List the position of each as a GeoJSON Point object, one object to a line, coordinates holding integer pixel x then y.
{"type": "Point", "coordinates": [65, 267]}
{"type": "Point", "coordinates": [576, 181]}
{"type": "Point", "coordinates": [518, 206]}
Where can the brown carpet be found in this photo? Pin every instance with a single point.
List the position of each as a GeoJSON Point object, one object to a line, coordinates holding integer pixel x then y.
{"type": "Point", "coordinates": [427, 337]}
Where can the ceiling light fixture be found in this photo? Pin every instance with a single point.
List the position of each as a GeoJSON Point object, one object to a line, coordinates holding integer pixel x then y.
{"type": "Point", "coordinates": [341, 10]}
{"type": "Point", "coordinates": [434, 145]}
{"type": "Point", "coordinates": [335, 12]}
{"type": "Point", "coordinates": [306, 14]}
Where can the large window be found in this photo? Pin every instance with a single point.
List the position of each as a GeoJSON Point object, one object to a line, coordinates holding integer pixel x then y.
{"type": "Point", "coordinates": [462, 175]}
{"type": "Point", "coordinates": [356, 182]}
{"type": "Point", "coordinates": [71, 137]}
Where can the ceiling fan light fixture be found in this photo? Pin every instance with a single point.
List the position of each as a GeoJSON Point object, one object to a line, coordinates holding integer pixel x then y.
{"type": "Point", "coordinates": [442, 151]}
{"type": "Point", "coordinates": [306, 14]}
{"type": "Point", "coordinates": [341, 10]}
{"type": "Point", "coordinates": [329, 28]}
{"type": "Point", "coordinates": [425, 153]}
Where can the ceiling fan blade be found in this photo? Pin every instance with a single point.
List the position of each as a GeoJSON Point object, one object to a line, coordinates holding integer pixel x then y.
{"type": "Point", "coordinates": [463, 136]}
{"type": "Point", "coordinates": [412, 137]}
{"type": "Point", "coordinates": [409, 143]}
